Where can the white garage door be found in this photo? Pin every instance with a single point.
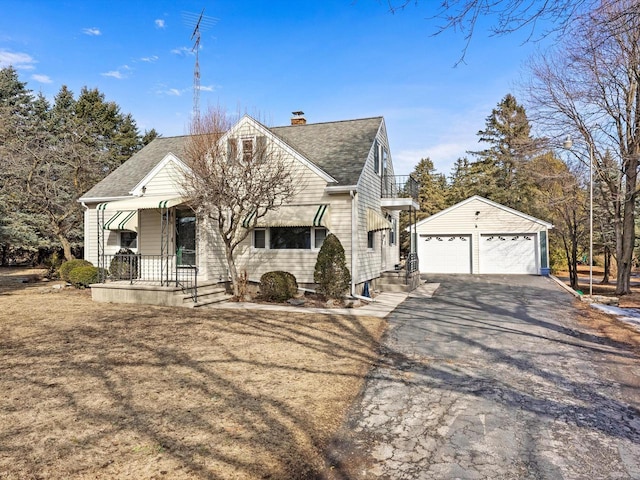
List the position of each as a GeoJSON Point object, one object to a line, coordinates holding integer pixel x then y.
{"type": "Point", "coordinates": [508, 254]}
{"type": "Point", "coordinates": [444, 253]}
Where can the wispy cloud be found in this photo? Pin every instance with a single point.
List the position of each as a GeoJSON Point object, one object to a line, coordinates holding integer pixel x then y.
{"type": "Point", "coordinates": [175, 92]}
{"type": "Point", "coordinates": [93, 31]}
{"type": "Point", "coordinates": [160, 23]}
{"type": "Point", "coordinates": [150, 59]}
{"type": "Point", "coordinates": [182, 51]}
{"type": "Point", "coordinates": [120, 73]}
{"type": "Point", "coordinates": [41, 78]}
{"type": "Point", "coordinates": [19, 60]}
{"type": "Point", "coordinates": [207, 88]}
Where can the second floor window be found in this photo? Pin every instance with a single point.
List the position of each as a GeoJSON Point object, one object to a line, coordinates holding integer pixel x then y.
{"type": "Point", "coordinates": [247, 149]}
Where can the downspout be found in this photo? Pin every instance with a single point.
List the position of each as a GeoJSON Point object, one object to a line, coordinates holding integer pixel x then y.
{"type": "Point", "coordinates": [85, 229]}
{"type": "Point", "coordinates": [354, 235]}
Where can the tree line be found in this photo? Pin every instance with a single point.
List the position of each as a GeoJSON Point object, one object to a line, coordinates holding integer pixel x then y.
{"type": "Point", "coordinates": [52, 153]}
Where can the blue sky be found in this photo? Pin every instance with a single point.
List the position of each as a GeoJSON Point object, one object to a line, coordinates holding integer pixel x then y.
{"type": "Point", "coordinates": [332, 59]}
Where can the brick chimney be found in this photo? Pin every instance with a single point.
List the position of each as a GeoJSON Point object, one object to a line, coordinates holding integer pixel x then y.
{"type": "Point", "coordinates": [298, 118]}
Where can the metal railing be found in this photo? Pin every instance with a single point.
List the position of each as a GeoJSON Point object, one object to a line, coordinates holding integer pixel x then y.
{"type": "Point", "coordinates": [400, 186]}
{"type": "Point", "coordinates": [411, 265]}
{"type": "Point", "coordinates": [163, 270]}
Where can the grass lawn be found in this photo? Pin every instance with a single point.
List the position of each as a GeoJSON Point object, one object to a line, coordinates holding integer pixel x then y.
{"type": "Point", "coordinates": [107, 391]}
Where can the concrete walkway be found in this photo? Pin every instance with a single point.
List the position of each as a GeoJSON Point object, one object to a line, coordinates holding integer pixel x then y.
{"type": "Point", "coordinates": [380, 307]}
{"type": "Point", "coordinates": [493, 378]}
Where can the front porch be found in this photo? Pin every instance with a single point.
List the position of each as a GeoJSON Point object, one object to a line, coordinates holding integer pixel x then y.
{"type": "Point", "coordinates": [153, 280]}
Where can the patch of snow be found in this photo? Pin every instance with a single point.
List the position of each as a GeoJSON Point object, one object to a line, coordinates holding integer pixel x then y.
{"type": "Point", "coordinates": [627, 315]}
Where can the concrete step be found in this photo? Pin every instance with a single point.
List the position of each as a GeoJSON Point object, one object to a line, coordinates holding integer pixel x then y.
{"type": "Point", "coordinates": [393, 287]}
{"type": "Point", "coordinates": [207, 294]}
{"type": "Point", "coordinates": [210, 300]}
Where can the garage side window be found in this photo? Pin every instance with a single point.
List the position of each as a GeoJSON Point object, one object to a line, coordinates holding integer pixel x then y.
{"type": "Point", "coordinates": [544, 257]}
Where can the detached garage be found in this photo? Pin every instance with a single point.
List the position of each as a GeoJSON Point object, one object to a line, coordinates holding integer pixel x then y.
{"type": "Point", "coordinates": [481, 236]}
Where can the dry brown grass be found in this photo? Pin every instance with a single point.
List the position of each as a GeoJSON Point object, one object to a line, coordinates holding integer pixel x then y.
{"type": "Point", "coordinates": [118, 391]}
{"type": "Point", "coordinates": [631, 300]}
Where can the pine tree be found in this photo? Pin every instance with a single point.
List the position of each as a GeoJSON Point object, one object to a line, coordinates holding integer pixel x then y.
{"type": "Point", "coordinates": [500, 171]}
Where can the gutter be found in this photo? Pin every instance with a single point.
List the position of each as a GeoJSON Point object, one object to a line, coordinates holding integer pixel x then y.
{"type": "Point", "coordinates": [337, 189]}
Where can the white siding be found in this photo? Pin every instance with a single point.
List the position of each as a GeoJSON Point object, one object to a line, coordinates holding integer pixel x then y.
{"type": "Point", "coordinates": [166, 181]}
{"type": "Point", "coordinates": [369, 262]}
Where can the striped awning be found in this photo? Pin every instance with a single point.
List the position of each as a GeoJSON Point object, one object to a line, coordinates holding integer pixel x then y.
{"type": "Point", "coordinates": [123, 220]}
{"type": "Point", "coordinates": [141, 203]}
{"type": "Point", "coordinates": [376, 221]}
{"type": "Point", "coordinates": [293, 216]}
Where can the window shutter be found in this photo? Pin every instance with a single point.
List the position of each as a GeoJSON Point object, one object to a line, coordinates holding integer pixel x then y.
{"type": "Point", "coordinates": [261, 146]}
{"type": "Point", "coordinates": [232, 148]}
{"type": "Point", "coordinates": [376, 157]}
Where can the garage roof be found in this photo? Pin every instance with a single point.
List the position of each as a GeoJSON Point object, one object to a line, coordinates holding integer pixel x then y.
{"type": "Point", "coordinates": [488, 202]}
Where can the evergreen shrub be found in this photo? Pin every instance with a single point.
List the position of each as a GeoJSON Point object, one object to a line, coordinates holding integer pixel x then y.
{"type": "Point", "coordinates": [66, 268]}
{"type": "Point", "coordinates": [82, 277]}
{"type": "Point", "coordinates": [331, 272]}
{"type": "Point", "coordinates": [278, 286]}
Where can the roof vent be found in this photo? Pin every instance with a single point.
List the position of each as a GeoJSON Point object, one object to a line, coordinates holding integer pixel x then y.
{"type": "Point", "coordinates": [298, 118]}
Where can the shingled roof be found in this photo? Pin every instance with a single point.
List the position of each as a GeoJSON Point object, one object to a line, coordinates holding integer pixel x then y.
{"type": "Point", "coordinates": [338, 148]}
{"type": "Point", "coordinates": [123, 179]}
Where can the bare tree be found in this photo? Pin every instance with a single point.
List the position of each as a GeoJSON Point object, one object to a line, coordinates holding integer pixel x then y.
{"type": "Point", "coordinates": [590, 87]}
{"type": "Point", "coordinates": [233, 178]}
{"type": "Point", "coordinates": [510, 16]}
{"type": "Point", "coordinates": [560, 197]}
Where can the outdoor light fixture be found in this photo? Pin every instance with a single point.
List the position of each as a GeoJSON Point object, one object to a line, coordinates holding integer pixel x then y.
{"type": "Point", "coordinates": [568, 143]}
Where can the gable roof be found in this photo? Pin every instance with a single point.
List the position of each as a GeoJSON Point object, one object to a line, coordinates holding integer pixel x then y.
{"type": "Point", "coordinates": [124, 179]}
{"type": "Point", "coordinates": [338, 148]}
{"type": "Point", "coordinates": [488, 202]}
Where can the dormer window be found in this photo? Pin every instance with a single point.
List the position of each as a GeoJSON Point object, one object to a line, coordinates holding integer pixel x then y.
{"type": "Point", "coordinates": [247, 149]}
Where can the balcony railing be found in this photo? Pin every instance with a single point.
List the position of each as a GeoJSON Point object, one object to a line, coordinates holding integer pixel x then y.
{"type": "Point", "coordinates": [163, 270]}
{"type": "Point", "coordinates": [400, 186]}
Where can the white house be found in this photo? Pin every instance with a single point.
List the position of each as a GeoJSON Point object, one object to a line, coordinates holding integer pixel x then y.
{"type": "Point", "coordinates": [348, 188]}
{"type": "Point", "coordinates": [482, 237]}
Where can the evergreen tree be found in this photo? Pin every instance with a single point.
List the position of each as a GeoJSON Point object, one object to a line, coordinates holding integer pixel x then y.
{"type": "Point", "coordinates": [52, 154]}
{"type": "Point", "coordinates": [331, 272]}
{"type": "Point", "coordinates": [433, 188]}
{"type": "Point", "coordinates": [149, 136]}
{"type": "Point", "coordinates": [500, 171]}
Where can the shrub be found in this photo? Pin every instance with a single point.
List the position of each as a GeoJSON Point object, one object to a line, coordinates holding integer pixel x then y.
{"type": "Point", "coordinates": [83, 276]}
{"type": "Point", "coordinates": [278, 286]}
{"type": "Point", "coordinates": [124, 265]}
{"type": "Point", "coordinates": [331, 272]}
{"type": "Point", "coordinates": [66, 268]}
{"type": "Point", "coordinates": [53, 263]}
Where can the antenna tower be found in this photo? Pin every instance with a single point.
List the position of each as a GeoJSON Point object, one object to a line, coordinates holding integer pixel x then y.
{"type": "Point", "coordinates": [199, 22]}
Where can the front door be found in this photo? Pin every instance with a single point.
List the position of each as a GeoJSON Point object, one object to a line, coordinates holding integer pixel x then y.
{"type": "Point", "coordinates": [186, 237]}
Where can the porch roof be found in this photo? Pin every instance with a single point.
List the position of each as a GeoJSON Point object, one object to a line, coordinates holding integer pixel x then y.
{"type": "Point", "coordinates": [141, 203]}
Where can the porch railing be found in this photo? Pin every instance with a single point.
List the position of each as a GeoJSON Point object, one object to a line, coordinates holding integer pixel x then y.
{"type": "Point", "coordinates": [163, 270]}
{"type": "Point", "coordinates": [400, 186]}
{"type": "Point", "coordinates": [411, 265]}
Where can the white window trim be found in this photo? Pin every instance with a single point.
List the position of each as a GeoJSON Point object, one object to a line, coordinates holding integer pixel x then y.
{"type": "Point", "coordinates": [267, 240]}
{"type": "Point", "coordinates": [244, 138]}
{"type": "Point", "coordinates": [373, 241]}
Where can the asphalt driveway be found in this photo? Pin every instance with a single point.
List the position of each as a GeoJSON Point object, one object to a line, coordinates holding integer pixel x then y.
{"type": "Point", "coordinates": [493, 378]}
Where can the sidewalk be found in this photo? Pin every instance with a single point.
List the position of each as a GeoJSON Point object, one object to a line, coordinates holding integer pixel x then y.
{"type": "Point", "coordinates": [381, 306]}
